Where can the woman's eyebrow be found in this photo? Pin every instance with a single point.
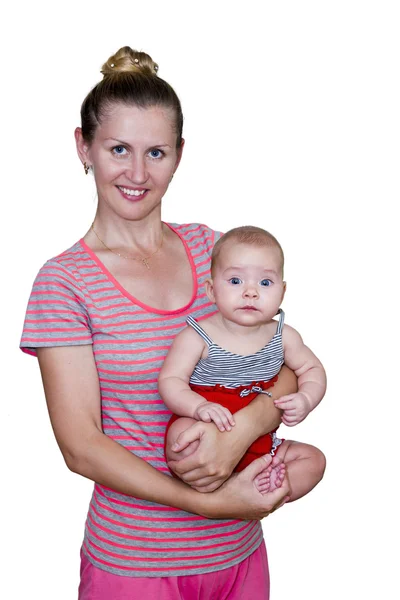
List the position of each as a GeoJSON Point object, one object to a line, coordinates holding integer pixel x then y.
{"type": "Point", "coordinates": [128, 144]}
{"type": "Point", "coordinates": [111, 139]}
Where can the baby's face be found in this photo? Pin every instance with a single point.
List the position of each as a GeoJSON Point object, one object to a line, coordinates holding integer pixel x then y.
{"type": "Point", "coordinates": [247, 283]}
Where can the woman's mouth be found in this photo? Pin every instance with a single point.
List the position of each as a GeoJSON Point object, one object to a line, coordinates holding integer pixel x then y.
{"type": "Point", "coordinates": [130, 193]}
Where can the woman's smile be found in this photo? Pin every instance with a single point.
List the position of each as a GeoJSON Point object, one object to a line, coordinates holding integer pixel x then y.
{"type": "Point", "coordinates": [132, 193]}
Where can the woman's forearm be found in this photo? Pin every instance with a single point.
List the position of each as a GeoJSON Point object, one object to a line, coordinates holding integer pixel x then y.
{"type": "Point", "coordinates": [106, 462]}
{"type": "Point", "coordinates": [261, 416]}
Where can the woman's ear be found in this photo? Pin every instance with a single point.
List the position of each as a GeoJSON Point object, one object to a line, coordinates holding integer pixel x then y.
{"type": "Point", "coordinates": [179, 155]}
{"type": "Point", "coordinates": [210, 290]}
{"type": "Point", "coordinates": [82, 147]}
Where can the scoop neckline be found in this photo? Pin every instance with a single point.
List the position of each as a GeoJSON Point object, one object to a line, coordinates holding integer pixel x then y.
{"type": "Point", "coordinates": [132, 298]}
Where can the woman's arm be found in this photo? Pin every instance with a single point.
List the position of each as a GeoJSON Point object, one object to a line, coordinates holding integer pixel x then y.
{"type": "Point", "coordinates": [219, 452]}
{"type": "Point", "coordinates": [73, 397]}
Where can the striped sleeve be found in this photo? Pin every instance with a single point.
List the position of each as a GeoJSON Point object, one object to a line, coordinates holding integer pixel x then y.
{"type": "Point", "coordinates": [56, 313]}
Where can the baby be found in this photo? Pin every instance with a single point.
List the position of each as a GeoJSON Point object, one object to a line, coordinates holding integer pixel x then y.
{"type": "Point", "coordinates": [214, 369]}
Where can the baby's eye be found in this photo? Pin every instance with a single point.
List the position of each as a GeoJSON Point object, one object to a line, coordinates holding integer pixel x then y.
{"type": "Point", "coordinates": [156, 153]}
{"type": "Point", "coordinates": [265, 282]}
{"type": "Point", "coordinates": [235, 280]}
{"type": "Point", "coordinates": [119, 150]}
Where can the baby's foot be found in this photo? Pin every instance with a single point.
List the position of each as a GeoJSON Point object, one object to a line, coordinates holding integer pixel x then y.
{"type": "Point", "coordinates": [271, 478]}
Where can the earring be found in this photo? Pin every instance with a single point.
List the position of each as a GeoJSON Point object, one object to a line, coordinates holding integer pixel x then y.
{"type": "Point", "coordinates": [86, 167]}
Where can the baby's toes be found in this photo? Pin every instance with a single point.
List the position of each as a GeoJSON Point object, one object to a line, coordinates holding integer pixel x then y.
{"type": "Point", "coordinates": [280, 476]}
{"type": "Point", "coordinates": [265, 472]}
{"type": "Point", "coordinates": [282, 472]}
{"type": "Point", "coordinates": [263, 489]}
{"type": "Point", "coordinates": [262, 481]}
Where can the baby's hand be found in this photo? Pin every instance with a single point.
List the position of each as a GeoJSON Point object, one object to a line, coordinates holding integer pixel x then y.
{"type": "Point", "coordinates": [210, 411]}
{"type": "Point", "coordinates": [295, 408]}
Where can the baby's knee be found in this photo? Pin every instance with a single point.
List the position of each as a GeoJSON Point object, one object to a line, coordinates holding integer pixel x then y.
{"type": "Point", "coordinates": [178, 427]}
{"type": "Point", "coordinates": [319, 461]}
{"type": "Point", "coordinates": [316, 461]}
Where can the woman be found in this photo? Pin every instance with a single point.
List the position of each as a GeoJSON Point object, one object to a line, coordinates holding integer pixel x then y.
{"type": "Point", "coordinates": [101, 318]}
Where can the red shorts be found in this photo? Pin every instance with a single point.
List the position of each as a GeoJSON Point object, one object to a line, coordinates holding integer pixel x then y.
{"type": "Point", "coordinates": [230, 398]}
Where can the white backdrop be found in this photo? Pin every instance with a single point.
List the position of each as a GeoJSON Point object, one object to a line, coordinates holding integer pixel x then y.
{"type": "Point", "coordinates": [292, 123]}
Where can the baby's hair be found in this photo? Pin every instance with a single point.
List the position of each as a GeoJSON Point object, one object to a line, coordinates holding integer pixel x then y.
{"type": "Point", "coordinates": [129, 77]}
{"type": "Point", "coordinates": [250, 235]}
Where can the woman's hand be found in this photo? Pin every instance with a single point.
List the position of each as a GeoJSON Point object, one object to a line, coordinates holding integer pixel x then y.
{"type": "Point", "coordinates": [214, 460]}
{"type": "Point", "coordinates": [239, 498]}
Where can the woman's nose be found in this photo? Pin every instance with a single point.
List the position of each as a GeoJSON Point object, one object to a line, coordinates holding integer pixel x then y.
{"type": "Point", "coordinates": [137, 171]}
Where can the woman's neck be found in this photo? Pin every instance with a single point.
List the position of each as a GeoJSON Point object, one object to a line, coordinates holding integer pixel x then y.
{"type": "Point", "coordinates": [132, 236]}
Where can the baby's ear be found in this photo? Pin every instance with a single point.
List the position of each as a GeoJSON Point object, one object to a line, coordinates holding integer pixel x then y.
{"type": "Point", "coordinates": [210, 290]}
{"type": "Point", "coordinates": [284, 290]}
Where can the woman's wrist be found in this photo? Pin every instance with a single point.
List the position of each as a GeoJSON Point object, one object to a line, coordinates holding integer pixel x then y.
{"type": "Point", "coordinates": [202, 504]}
{"type": "Point", "coordinates": [207, 504]}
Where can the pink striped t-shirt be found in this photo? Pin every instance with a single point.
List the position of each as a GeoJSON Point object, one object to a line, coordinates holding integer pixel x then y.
{"type": "Point", "coordinates": [76, 301]}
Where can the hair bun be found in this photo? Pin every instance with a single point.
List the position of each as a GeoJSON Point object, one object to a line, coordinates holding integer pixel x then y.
{"type": "Point", "coordinates": [127, 60]}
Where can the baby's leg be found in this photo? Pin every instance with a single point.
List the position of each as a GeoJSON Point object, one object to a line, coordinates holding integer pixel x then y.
{"type": "Point", "coordinates": [305, 466]}
{"type": "Point", "coordinates": [173, 433]}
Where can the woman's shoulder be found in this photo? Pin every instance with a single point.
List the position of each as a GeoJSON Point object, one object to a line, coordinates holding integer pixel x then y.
{"type": "Point", "coordinates": [196, 233]}
{"type": "Point", "coordinates": [66, 267]}
{"type": "Point", "coordinates": [70, 256]}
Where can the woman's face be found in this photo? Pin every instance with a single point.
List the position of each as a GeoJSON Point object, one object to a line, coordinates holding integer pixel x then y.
{"type": "Point", "coordinates": [133, 156]}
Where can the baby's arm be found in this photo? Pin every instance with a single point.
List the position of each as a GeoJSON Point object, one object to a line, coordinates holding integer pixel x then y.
{"type": "Point", "coordinates": [173, 383]}
{"type": "Point", "coordinates": [311, 379]}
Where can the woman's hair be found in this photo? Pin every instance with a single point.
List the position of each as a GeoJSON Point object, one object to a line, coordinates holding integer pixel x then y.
{"type": "Point", "coordinates": [129, 77]}
{"type": "Point", "coordinates": [250, 235]}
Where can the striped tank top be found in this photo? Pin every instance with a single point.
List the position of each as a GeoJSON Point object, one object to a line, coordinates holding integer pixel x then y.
{"type": "Point", "coordinates": [234, 370]}
{"type": "Point", "coordinates": [75, 300]}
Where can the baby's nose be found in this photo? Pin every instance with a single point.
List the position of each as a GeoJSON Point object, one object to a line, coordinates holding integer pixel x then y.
{"type": "Point", "coordinates": [251, 292]}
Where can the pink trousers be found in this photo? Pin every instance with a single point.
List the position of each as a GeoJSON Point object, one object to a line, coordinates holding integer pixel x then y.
{"type": "Point", "coordinates": [247, 580]}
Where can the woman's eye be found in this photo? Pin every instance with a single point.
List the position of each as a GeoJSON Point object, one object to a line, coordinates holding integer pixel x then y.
{"type": "Point", "coordinates": [119, 150]}
{"type": "Point", "coordinates": [156, 153]}
{"type": "Point", "coordinates": [266, 282]}
{"type": "Point", "coordinates": [235, 280]}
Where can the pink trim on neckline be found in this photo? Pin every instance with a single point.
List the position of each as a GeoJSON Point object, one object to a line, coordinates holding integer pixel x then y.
{"type": "Point", "coordinates": [135, 300]}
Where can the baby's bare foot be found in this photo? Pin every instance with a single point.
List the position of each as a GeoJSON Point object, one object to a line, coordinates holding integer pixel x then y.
{"type": "Point", "coordinates": [270, 479]}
